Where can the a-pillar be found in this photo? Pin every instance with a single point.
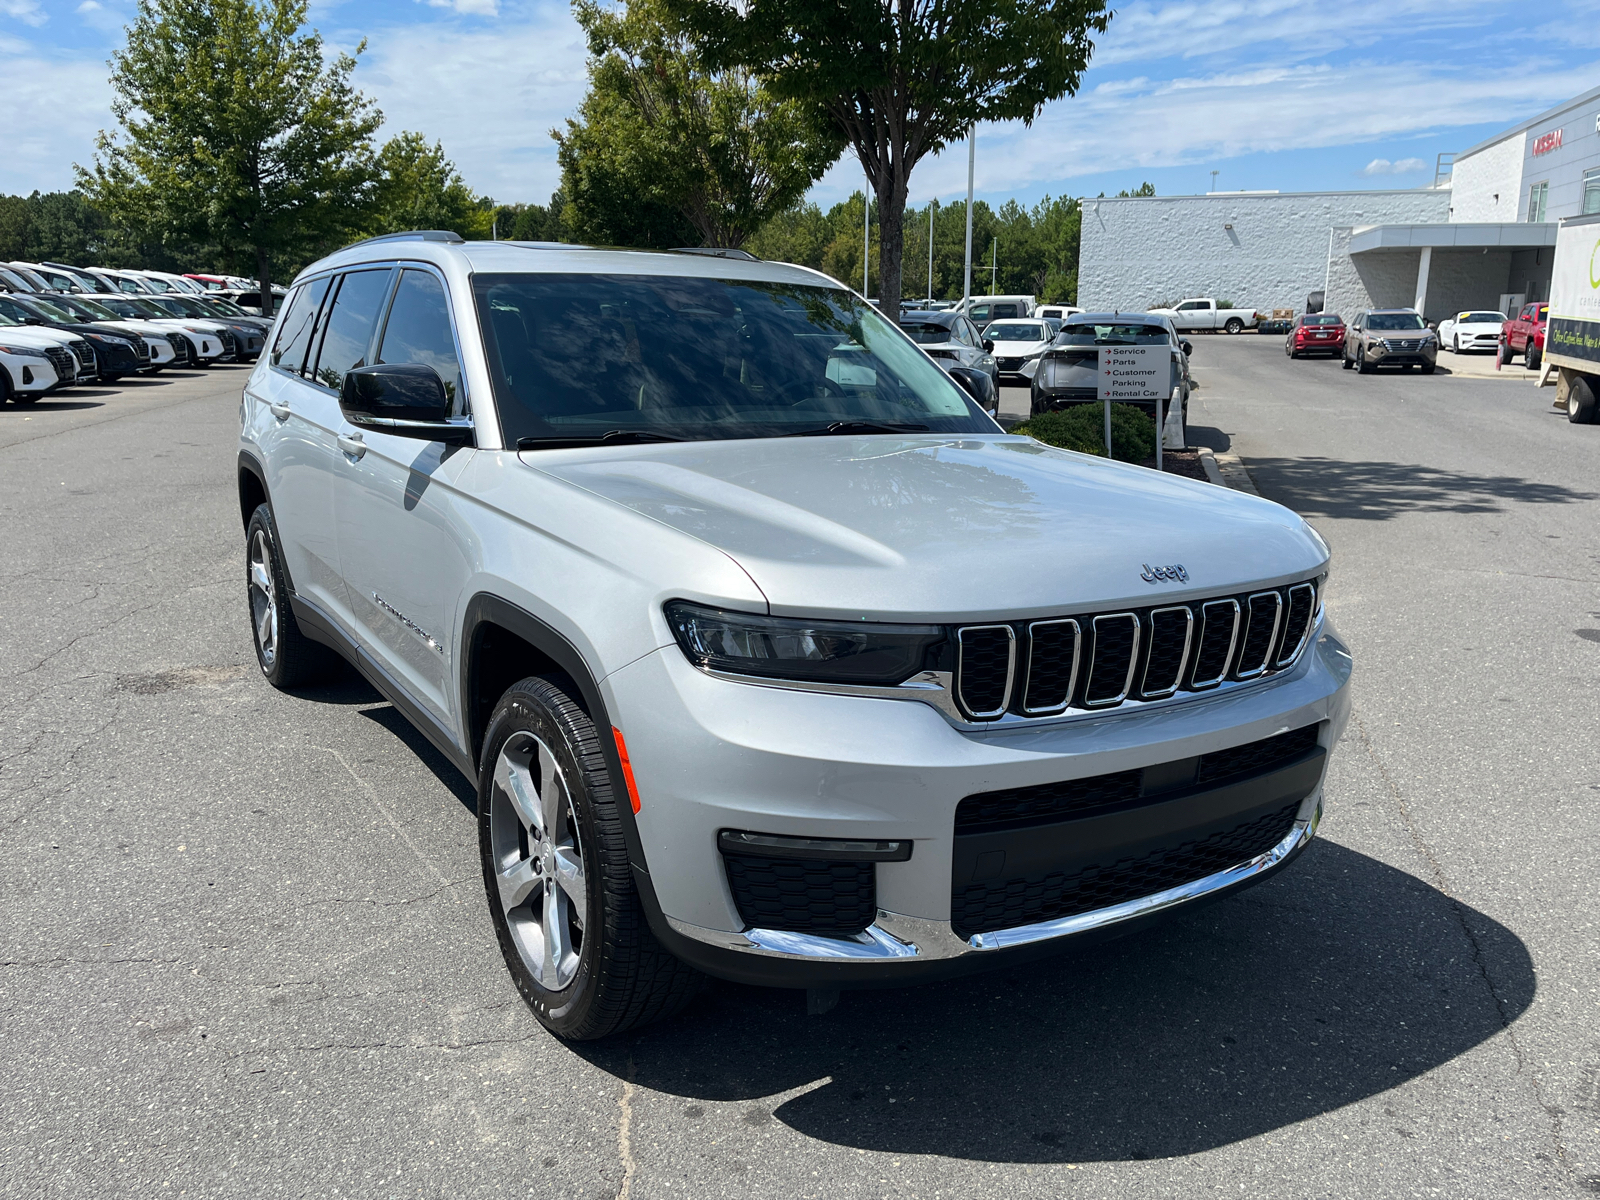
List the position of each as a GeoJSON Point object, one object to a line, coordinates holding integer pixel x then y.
{"type": "Point", "coordinates": [1422, 281]}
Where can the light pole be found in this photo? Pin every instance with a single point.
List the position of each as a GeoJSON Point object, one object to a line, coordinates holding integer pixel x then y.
{"type": "Point", "coordinates": [994, 269]}
{"type": "Point", "coordinates": [866, 234]}
{"type": "Point", "coordinates": [1214, 175]}
{"type": "Point", "coordinates": [931, 204]}
{"type": "Point", "coordinates": [972, 155]}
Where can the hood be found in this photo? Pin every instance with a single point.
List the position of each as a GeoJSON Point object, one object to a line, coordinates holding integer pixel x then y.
{"type": "Point", "coordinates": [37, 336]}
{"type": "Point", "coordinates": [931, 527]}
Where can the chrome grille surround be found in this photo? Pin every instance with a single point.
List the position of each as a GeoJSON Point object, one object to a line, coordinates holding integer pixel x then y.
{"type": "Point", "coordinates": [1040, 630]}
{"type": "Point", "coordinates": [1106, 662]}
{"type": "Point", "coordinates": [1263, 600]}
{"type": "Point", "coordinates": [962, 636]}
{"type": "Point", "coordinates": [1302, 596]}
{"type": "Point", "coordinates": [1158, 693]}
{"type": "Point", "coordinates": [1226, 614]}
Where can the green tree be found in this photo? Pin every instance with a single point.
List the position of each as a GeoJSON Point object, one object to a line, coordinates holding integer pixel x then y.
{"type": "Point", "coordinates": [900, 79]}
{"type": "Point", "coordinates": [236, 134]}
{"type": "Point", "coordinates": [419, 188]}
{"type": "Point", "coordinates": [1144, 189]}
{"type": "Point", "coordinates": [711, 145]}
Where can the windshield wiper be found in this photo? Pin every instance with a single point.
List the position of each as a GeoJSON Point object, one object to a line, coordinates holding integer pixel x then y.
{"type": "Point", "coordinates": [610, 437]}
{"type": "Point", "coordinates": [860, 427]}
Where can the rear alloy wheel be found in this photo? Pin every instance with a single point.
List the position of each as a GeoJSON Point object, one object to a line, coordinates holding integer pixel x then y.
{"type": "Point", "coordinates": [1233, 325]}
{"type": "Point", "coordinates": [287, 657]}
{"type": "Point", "coordinates": [561, 892]}
{"type": "Point", "coordinates": [1582, 407]}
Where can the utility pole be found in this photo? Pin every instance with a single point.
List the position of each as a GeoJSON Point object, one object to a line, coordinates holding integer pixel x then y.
{"type": "Point", "coordinates": [931, 203]}
{"type": "Point", "coordinates": [994, 270]}
{"type": "Point", "coordinates": [972, 156]}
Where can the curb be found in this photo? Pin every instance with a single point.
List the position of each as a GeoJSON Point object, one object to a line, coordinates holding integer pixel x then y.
{"type": "Point", "coordinates": [1227, 470]}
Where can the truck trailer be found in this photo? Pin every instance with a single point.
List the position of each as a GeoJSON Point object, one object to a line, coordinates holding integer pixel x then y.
{"type": "Point", "coordinates": [1572, 336]}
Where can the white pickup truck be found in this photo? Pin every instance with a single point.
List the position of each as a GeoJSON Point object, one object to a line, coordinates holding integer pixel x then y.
{"type": "Point", "coordinates": [1203, 313]}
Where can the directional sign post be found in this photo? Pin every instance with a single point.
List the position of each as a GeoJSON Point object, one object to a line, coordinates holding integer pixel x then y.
{"type": "Point", "coordinates": [1134, 373]}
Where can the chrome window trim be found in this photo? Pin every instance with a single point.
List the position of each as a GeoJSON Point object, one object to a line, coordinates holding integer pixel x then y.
{"type": "Point", "coordinates": [1133, 660]}
{"type": "Point", "coordinates": [1072, 679]}
{"type": "Point", "coordinates": [1011, 670]}
{"type": "Point", "coordinates": [898, 936]}
{"type": "Point", "coordinates": [1233, 641]}
{"type": "Point", "coordinates": [1277, 620]}
{"type": "Point", "coordinates": [1183, 658]}
{"type": "Point", "coordinates": [1287, 656]}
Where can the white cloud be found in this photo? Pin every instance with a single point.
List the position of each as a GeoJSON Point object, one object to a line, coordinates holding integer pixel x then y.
{"type": "Point", "coordinates": [1404, 166]}
{"type": "Point", "coordinates": [26, 11]}
{"type": "Point", "coordinates": [483, 8]}
{"type": "Point", "coordinates": [53, 111]}
{"type": "Point", "coordinates": [491, 96]}
{"type": "Point", "coordinates": [89, 6]}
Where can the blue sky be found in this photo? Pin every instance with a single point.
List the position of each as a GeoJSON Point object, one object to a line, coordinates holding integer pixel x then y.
{"type": "Point", "coordinates": [1280, 94]}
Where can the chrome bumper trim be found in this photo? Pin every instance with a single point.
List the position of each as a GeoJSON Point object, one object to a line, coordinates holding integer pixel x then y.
{"type": "Point", "coordinates": [897, 936]}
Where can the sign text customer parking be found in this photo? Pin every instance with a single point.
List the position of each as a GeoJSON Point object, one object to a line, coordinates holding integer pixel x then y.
{"type": "Point", "coordinates": [1134, 372]}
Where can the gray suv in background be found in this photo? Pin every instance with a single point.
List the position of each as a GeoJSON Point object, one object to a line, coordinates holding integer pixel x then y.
{"type": "Point", "coordinates": [771, 655]}
{"type": "Point", "coordinates": [1390, 337]}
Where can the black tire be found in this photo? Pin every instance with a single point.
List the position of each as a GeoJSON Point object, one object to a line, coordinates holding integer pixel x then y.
{"type": "Point", "coordinates": [289, 659]}
{"type": "Point", "coordinates": [5, 385]}
{"type": "Point", "coordinates": [1534, 356]}
{"type": "Point", "coordinates": [1428, 368]}
{"type": "Point", "coordinates": [1583, 408]}
{"type": "Point", "coordinates": [1456, 344]}
{"type": "Point", "coordinates": [1506, 354]}
{"type": "Point", "coordinates": [623, 977]}
{"type": "Point", "coordinates": [1362, 364]}
{"type": "Point", "coordinates": [1233, 325]}
{"type": "Point", "coordinates": [1344, 356]}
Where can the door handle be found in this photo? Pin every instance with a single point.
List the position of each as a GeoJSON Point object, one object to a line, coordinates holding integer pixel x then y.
{"type": "Point", "coordinates": [281, 411]}
{"type": "Point", "coordinates": [352, 444]}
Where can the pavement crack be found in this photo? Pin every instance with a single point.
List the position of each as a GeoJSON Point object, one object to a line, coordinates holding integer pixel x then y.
{"type": "Point", "coordinates": [372, 795]}
{"type": "Point", "coordinates": [1441, 882]}
{"type": "Point", "coordinates": [630, 1166]}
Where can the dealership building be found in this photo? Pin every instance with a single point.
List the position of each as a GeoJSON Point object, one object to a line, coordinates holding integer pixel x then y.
{"type": "Point", "coordinates": [1481, 237]}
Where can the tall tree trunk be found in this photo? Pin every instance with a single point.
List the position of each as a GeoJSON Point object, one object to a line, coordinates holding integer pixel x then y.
{"type": "Point", "coordinates": [264, 278]}
{"type": "Point", "coordinates": [891, 241]}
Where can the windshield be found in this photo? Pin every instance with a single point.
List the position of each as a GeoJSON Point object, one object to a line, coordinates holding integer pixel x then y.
{"type": "Point", "coordinates": [583, 356]}
{"type": "Point", "coordinates": [129, 307]}
{"type": "Point", "coordinates": [51, 311]}
{"type": "Point", "coordinates": [1321, 319]}
{"type": "Point", "coordinates": [90, 308]}
{"type": "Point", "coordinates": [1389, 322]}
{"type": "Point", "coordinates": [1112, 335]}
{"type": "Point", "coordinates": [1481, 318]}
{"type": "Point", "coordinates": [1016, 331]}
{"type": "Point", "coordinates": [221, 305]}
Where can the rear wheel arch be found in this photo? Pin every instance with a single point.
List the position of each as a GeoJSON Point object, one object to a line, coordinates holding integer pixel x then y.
{"type": "Point", "coordinates": [252, 486]}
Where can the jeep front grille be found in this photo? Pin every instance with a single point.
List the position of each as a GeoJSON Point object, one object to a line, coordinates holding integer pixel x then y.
{"type": "Point", "coordinates": [1102, 660]}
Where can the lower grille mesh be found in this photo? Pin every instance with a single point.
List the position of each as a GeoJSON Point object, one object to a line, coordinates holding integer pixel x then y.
{"type": "Point", "coordinates": [983, 907]}
{"type": "Point", "coordinates": [803, 896]}
{"type": "Point", "coordinates": [1254, 757]}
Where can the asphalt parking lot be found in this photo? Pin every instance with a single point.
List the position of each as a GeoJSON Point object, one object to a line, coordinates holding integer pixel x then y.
{"type": "Point", "coordinates": [247, 954]}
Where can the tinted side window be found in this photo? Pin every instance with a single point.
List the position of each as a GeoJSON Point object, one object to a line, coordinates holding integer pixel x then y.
{"type": "Point", "coordinates": [355, 310]}
{"type": "Point", "coordinates": [294, 328]}
{"type": "Point", "coordinates": [980, 313]}
{"type": "Point", "coordinates": [1004, 312]}
{"type": "Point", "coordinates": [418, 330]}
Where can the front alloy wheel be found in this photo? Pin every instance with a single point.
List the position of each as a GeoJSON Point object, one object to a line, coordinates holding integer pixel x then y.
{"type": "Point", "coordinates": [537, 856]}
{"type": "Point", "coordinates": [288, 658]}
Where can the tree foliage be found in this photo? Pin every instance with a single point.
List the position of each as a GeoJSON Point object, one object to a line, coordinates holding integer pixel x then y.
{"type": "Point", "coordinates": [900, 79]}
{"type": "Point", "coordinates": [1038, 246]}
{"type": "Point", "coordinates": [667, 151]}
{"type": "Point", "coordinates": [55, 227]}
{"type": "Point", "coordinates": [419, 188]}
{"type": "Point", "coordinates": [237, 135]}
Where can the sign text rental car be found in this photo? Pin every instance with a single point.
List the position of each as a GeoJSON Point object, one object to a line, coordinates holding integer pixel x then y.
{"type": "Point", "coordinates": [1134, 372]}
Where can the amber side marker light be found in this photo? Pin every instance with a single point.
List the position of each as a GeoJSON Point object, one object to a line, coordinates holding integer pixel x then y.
{"type": "Point", "coordinates": [627, 768]}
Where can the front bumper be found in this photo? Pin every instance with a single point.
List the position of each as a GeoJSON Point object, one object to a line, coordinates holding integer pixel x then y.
{"type": "Point", "coordinates": [711, 755]}
{"type": "Point", "coordinates": [1380, 355]}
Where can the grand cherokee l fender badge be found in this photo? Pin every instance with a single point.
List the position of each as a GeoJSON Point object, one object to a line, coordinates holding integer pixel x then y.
{"type": "Point", "coordinates": [1175, 572]}
{"type": "Point", "coordinates": [408, 623]}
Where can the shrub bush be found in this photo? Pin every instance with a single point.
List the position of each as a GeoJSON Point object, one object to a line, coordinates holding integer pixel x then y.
{"type": "Point", "coordinates": [1082, 428]}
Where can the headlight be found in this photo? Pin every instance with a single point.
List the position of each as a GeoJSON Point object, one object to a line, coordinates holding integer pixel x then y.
{"type": "Point", "coordinates": [855, 652]}
{"type": "Point", "coordinates": [24, 351]}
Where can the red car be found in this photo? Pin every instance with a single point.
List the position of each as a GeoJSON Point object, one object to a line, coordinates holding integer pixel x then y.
{"type": "Point", "coordinates": [1314, 332]}
{"type": "Point", "coordinates": [1524, 334]}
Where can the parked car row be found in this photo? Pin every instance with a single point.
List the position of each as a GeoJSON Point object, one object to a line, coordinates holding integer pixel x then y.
{"type": "Point", "coordinates": [52, 338]}
{"type": "Point", "coordinates": [103, 281]}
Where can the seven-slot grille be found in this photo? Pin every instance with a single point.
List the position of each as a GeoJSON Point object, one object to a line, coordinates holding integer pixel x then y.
{"type": "Point", "coordinates": [61, 359]}
{"type": "Point", "coordinates": [1098, 661]}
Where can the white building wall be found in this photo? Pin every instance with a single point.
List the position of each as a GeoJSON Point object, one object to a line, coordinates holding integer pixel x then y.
{"type": "Point", "coordinates": [1141, 252]}
{"type": "Point", "coordinates": [1486, 186]}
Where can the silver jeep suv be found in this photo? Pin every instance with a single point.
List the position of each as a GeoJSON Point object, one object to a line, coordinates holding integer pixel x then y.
{"type": "Point", "coordinates": [772, 656]}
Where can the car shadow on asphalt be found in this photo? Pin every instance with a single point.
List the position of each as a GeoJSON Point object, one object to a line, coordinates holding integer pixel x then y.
{"type": "Point", "coordinates": [38, 406]}
{"type": "Point", "coordinates": [1343, 979]}
{"type": "Point", "coordinates": [1381, 491]}
{"type": "Point", "coordinates": [1208, 435]}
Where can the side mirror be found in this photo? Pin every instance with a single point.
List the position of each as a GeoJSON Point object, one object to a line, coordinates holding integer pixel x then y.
{"type": "Point", "coordinates": [403, 399]}
{"type": "Point", "coordinates": [1187, 348]}
{"type": "Point", "coordinates": [988, 346]}
{"type": "Point", "coordinates": [979, 386]}
{"type": "Point", "coordinates": [32, 321]}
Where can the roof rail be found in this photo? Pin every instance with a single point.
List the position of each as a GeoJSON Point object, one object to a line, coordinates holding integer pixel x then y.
{"type": "Point", "coordinates": [716, 252]}
{"type": "Point", "coordinates": [413, 235]}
